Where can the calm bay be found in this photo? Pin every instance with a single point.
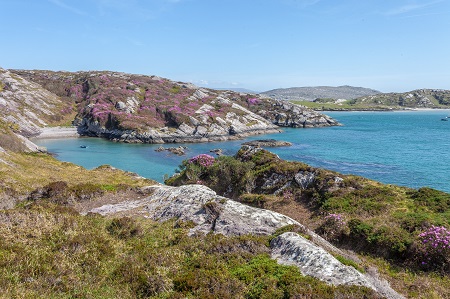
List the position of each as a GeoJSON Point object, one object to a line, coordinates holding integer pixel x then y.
{"type": "Point", "coordinates": [408, 148]}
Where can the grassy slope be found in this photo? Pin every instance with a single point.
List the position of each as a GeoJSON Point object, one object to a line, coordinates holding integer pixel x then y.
{"type": "Point", "coordinates": [52, 252]}
{"type": "Point", "coordinates": [48, 250]}
{"type": "Point", "coordinates": [27, 172]}
{"type": "Point", "coordinates": [380, 222]}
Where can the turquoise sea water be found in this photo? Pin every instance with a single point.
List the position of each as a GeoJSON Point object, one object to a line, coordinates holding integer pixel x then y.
{"type": "Point", "coordinates": [405, 148]}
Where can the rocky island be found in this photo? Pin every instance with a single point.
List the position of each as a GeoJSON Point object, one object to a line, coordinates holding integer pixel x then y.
{"type": "Point", "coordinates": [267, 143]}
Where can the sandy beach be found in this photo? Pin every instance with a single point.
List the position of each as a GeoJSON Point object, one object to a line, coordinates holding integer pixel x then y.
{"type": "Point", "coordinates": [58, 132]}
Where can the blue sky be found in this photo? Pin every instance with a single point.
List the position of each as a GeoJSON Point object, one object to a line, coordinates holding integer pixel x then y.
{"type": "Point", "coordinates": [396, 45]}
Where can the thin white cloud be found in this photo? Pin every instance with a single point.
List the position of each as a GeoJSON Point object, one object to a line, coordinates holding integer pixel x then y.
{"type": "Point", "coordinates": [426, 14]}
{"type": "Point", "coordinates": [301, 3]}
{"type": "Point", "coordinates": [141, 10]}
{"type": "Point", "coordinates": [72, 9]}
{"type": "Point", "coordinates": [410, 8]}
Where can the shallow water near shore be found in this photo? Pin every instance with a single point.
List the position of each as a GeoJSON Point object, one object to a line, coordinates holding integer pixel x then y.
{"type": "Point", "coordinates": [408, 148]}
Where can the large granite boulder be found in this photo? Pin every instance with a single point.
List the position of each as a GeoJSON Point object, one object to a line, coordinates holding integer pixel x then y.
{"type": "Point", "coordinates": [210, 212]}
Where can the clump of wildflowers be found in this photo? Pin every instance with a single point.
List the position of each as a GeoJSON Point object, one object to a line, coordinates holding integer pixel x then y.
{"type": "Point", "coordinates": [203, 160]}
{"type": "Point", "coordinates": [434, 247]}
{"type": "Point", "coordinates": [333, 227]}
{"type": "Point", "coordinates": [288, 195]}
{"type": "Point", "coordinates": [252, 101]}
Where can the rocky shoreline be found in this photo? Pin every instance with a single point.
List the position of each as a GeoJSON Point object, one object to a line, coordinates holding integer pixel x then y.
{"type": "Point", "coordinates": [170, 135]}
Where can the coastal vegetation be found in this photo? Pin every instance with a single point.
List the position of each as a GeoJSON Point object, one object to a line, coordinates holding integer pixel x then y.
{"type": "Point", "coordinates": [406, 228]}
{"type": "Point", "coordinates": [49, 250]}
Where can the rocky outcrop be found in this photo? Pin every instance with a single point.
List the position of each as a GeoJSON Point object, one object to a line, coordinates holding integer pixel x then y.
{"type": "Point", "coordinates": [200, 129]}
{"type": "Point", "coordinates": [292, 249]}
{"type": "Point", "coordinates": [150, 109]}
{"type": "Point", "coordinates": [180, 150]}
{"type": "Point", "coordinates": [27, 105]}
{"type": "Point", "coordinates": [212, 213]}
{"type": "Point", "coordinates": [286, 114]}
{"type": "Point", "coordinates": [267, 143]}
{"type": "Point", "coordinates": [201, 205]}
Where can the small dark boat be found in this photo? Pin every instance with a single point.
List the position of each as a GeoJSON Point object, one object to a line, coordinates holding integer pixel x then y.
{"type": "Point", "coordinates": [83, 146]}
{"type": "Point", "coordinates": [444, 119]}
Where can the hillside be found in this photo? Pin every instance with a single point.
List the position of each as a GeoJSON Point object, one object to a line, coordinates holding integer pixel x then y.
{"type": "Point", "coordinates": [206, 245]}
{"type": "Point", "coordinates": [150, 109]}
{"type": "Point", "coordinates": [420, 98]}
{"type": "Point", "coordinates": [153, 241]}
{"type": "Point", "coordinates": [29, 106]}
{"type": "Point", "coordinates": [407, 229]}
{"type": "Point", "coordinates": [314, 92]}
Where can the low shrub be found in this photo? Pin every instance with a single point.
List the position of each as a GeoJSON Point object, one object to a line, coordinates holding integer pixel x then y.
{"type": "Point", "coordinates": [435, 200]}
{"type": "Point", "coordinates": [124, 228]}
{"type": "Point", "coordinates": [433, 248]}
{"type": "Point", "coordinates": [333, 227]}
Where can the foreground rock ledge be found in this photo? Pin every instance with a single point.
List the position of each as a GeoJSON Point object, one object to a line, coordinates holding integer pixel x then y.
{"type": "Point", "coordinates": [213, 213]}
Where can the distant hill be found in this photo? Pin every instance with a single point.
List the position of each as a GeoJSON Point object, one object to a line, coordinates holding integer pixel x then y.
{"type": "Point", "coordinates": [237, 89]}
{"type": "Point", "coordinates": [420, 98]}
{"type": "Point", "coordinates": [313, 92]}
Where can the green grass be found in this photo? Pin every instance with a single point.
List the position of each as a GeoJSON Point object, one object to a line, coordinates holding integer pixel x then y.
{"type": "Point", "coordinates": [26, 172]}
{"type": "Point", "coordinates": [349, 262]}
{"type": "Point", "coordinates": [48, 251]}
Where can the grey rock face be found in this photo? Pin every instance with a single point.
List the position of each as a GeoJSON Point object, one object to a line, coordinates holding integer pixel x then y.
{"type": "Point", "coordinates": [200, 128]}
{"type": "Point", "coordinates": [24, 103]}
{"type": "Point", "coordinates": [286, 114]}
{"type": "Point", "coordinates": [292, 249]}
{"type": "Point", "coordinates": [304, 179]}
{"type": "Point", "coordinates": [201, 205]}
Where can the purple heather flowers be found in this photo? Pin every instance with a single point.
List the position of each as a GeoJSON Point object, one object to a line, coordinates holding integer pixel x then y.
{"type": "Point", "coordinates": [435, 245]}
{"type": "Point", "coordinates": [203, 160]}
{"type": "Point", "coordinates": [253, 101]}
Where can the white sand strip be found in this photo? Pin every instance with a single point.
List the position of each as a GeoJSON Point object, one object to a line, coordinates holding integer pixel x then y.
{"type": "Point", "coordinates": [58, 132]}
